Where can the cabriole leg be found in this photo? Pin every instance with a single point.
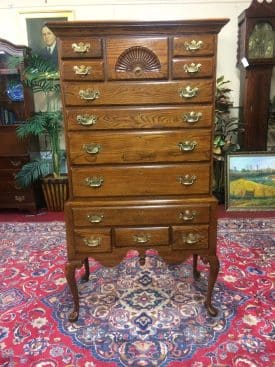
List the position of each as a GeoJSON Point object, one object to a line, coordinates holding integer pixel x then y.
{"type": "Point", "coordinates": [70, 276]}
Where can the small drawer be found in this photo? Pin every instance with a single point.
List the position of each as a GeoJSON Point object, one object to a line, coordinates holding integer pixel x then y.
{"type": "Point", "coordinates": [137, 58]}
{"type": "Point", "coordinates": [142, 118]}
{"type": "Point", "coordinates": [81, 47]}
{"type": "Point", "coordinates": [85, 215]}
{"type": "Point", "coordinates": [187, 91]}
{"type": "Point", "coordinates": [138, 237]}
{"type": "Point", "coordinates": [193, 45]}
{"type": "Point", "coordinates": [192, 68]}
{"type": "Point", "coordinates": [190, 237]}
{"type": "Point", "coordinates": [88, 240]}
{"type": "Point", "coordinates": [132, 147]}
{"type": "Point", "coordinates": [82, 70]}
{"type": "Point", "coordinates": [132, 180]}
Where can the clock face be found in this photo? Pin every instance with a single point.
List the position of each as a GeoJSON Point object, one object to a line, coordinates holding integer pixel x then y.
{"type": "Point", "coordinates": [261, 44]}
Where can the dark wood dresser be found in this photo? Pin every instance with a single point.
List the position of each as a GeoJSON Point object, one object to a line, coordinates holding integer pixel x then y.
{"type": "Point", "coordinates": [16, 105]}
{"type": "Point", "coordinates": [138, 101]}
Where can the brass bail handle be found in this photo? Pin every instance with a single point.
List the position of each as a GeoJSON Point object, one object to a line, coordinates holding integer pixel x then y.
{"type": "Point", "coordinates": [188, 215]}
{"type": "Point", "coordinates": [81, 47]}
{"type": "Point", "coordinates": [92, 148]}
{"type": "Point", "coordinates": [95, 218]}
{"type": "Point", "coordinates": [192, 68]}
{"type": "Point", "coordinates": [192, 117]}
{"type": "Point", "coordinates": [187, 180]}
{"type": "Point", "coordinates": [187, 146]}
{"type": "Point", "coordinates": [193, 45]}
{"type": "Point", "coordinates": [188, 92]}
{"type": "Point", "coordinates": [86, 120]}
{"type": "Point", "coordinates": [94, 181]}
{"type": "Point", "coordinates": [92, 241]}
{"type": "Point", "coordinates": [191, 238]}
{"type": "Point", "coordinates": [142, 238]}
{"type": "Point", "coordinates": [89, 94]}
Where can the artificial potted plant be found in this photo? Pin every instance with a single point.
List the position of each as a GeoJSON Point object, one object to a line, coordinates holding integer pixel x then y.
{"type": "Point", "coordinates": [226, 134]}
{"type": "Point", "coordinates": [42, 78]}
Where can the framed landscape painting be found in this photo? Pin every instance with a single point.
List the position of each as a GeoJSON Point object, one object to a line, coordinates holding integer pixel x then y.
{"type": "Point", "coordinates": [250, 181]}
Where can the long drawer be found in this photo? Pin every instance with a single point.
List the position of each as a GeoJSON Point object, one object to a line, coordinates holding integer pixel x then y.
{"type": "Point", "coordinates": [94, 216]}
{"type": "Point", "coordinates": [137, 147]}
{"type": "Point", "coordinates": [126, 180]}
{"type": "Point", "coordinates": [142, 93]}
{"type": "Point", "coordinates": [13, 162]}
{"type": "Point", "coordinates": [107, 118]}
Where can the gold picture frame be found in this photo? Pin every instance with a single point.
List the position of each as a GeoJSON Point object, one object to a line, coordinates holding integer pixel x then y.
{"type": "Point", "coordinates": [31, 22]}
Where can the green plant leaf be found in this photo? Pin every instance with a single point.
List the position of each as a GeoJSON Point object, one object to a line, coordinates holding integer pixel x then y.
{"type": "Point", "coordinates": [32, 171]}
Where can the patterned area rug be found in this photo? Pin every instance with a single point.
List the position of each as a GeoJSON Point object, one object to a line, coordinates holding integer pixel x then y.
{"type": "Point", "coordinates": [133, 315]}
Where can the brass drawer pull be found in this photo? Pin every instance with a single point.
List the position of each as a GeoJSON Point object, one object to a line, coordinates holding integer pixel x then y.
{"type": "Point", "coordinates": [192, 117]}
{"type": "Point", "coordinates": [192, 68]}
{"type": "Point", "coordinates": [187, 180]}
{"type": "Point", "coordinates": [19, 198]}
{"type": "Point", "coordinates": [193, 45]}
{"type": "Point", "coordinates": [82, 70]}
{"type": "Point", "coordinates": [191, 238]}
{"type": "Point", "coordinates": [81, 47]}
{"type": "Point", "coordinates": [92, 148]}
{"type": "Point", "coordinates": [89, 94]}
{"type": "Point", "coordinates": [142, 238]}
{"type": "Point", "coordinates": [95, 218]}
{"type": "Point", "coordinates": [92, 241]}
{"type": "Point", "coordinates": [86, 120]}
{"type": "Point", "coordinates": [188, 215]}
{"type": "Point", "coordinates": [188, 92]}
{"type": "Point", "coordinates": [187, 146]}
{"type": "Point", "coordinates": [94, 182]}
{"type": "Point", "coordinates": [15, 163]}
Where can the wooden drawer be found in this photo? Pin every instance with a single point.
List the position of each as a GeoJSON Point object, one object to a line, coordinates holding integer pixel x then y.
{"type": "Point", "coordinates": [137, 147]}
{"type": "Point", "coordinates": [13, 162]}
{"type": "Point", "coordinates": [192, 68]}
{"type": "Point", "coordinates": [138, 237]}
{"type": "Point", "coordinates": [16, 197]}
{"type": "Point", "coordinates": [92, 240]}
{"type": "Point", "coordinates": [7, 181]}
{"type": "Point", "coordinates": [82, 70]}
{"type": "Point", "coordinates": [190, 237]}
{"type": "Point", "coordinates": [177, 179]}
{"type": "Point", "coordinates": [137, 58]}
{"type": "Point", "coordinates": [118, 93]}
{"type": "Point", "coordinates": [86, 215]}
{"type": "Point", "coordinates": [193, 45]}
{"type": "Point", "coordinates": [80, 47]}
{"type": "Point", "coordinates": [142, 118]}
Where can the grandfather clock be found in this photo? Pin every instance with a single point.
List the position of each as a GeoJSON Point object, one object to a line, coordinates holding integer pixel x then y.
{"type": "Point", "coordinates": [256, 58]}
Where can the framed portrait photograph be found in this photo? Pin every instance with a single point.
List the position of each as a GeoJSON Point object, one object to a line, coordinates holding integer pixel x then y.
{"type": "Point", "coordinates": [40, 38]}
{"type": "Point", "coordinates": [250, 181]}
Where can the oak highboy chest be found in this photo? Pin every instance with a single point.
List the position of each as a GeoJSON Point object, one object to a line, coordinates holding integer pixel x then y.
{"type": "Point", "coordinates": [138, 101]}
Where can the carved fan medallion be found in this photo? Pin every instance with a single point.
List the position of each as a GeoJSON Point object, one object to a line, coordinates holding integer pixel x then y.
{"type": "Point", "coordinates": [138, 59]}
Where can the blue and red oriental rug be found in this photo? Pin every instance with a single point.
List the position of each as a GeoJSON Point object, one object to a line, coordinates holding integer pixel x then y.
{"type": "Point", "coordinates": [133, 315]}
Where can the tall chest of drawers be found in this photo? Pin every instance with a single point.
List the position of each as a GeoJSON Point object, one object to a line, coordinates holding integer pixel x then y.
{"type": "Point", "coordinates": [138, 102]}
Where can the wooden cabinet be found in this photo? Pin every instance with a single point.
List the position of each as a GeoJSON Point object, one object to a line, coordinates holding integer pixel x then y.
{"type": "Point", "coordinates": [16, 105]}
{"type": "Point", "coordinates": [256, 59]}
{"type": "Point", "coordinates": [139, 108]}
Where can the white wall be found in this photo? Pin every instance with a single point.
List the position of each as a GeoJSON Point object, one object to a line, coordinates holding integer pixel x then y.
{"type": "Point", "coordinates": [13, 15]}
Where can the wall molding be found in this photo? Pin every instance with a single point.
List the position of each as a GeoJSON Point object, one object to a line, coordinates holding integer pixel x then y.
{"type": "Point", "coordinates": [14, 4]}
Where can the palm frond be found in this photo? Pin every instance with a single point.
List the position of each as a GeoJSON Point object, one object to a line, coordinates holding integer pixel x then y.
{"type": "Point", "coordinates": [32, 171]}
